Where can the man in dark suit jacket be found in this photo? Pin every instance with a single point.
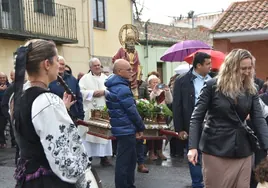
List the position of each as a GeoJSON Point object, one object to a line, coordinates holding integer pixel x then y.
{"type": "Point", "coordinates": [186, 91]}
{"type": "Point", "coordinates": [76, 110]}
{"type": "Point", "coordinates": [259, 82]}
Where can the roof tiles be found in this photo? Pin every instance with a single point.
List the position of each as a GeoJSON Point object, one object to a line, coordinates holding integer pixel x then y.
{"type": "Point", "coordinates": [243, 16]}
{"type": "Point", "coordinates": [166, 33]}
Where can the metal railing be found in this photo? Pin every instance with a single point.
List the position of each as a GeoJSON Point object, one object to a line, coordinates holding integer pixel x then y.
{"type": "Point", "coordinates": [38, 18]}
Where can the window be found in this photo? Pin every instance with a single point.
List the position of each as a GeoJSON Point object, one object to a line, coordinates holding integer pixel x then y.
{"type": "Point", "coordinates": [45, 7]}
{"type": "Point", "coordinates": [5, 5]}
{"type": "Point", "coordinates": [99, 13]}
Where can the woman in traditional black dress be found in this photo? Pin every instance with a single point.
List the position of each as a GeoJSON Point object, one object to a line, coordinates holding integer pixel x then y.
{"type": "Point", "coordinates": [51, 151]}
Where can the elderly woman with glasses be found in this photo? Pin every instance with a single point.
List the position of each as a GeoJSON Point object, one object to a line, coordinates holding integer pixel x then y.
{"type": "Point", "coordinates": [162, 95]}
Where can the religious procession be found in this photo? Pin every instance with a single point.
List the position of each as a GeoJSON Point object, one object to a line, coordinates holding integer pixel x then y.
{"type": "Point", "coordinates": [197, 118]}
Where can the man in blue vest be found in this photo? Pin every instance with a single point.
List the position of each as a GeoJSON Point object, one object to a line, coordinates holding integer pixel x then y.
{"type": "Point", "coordinates": [126, 122]}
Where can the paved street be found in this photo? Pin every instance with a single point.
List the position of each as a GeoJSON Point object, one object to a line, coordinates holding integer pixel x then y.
{"type": "Point", "coordinates": [172, 173]}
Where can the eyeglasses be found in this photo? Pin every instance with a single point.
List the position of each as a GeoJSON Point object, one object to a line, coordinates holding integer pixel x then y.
{"type": "Point", "coordinates": [97, 65]}
{"type": "Point", "coordinates": [128, 70]}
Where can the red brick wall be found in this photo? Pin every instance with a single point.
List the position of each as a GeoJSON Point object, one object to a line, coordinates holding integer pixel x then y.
{"type": "Point", "coordinates": [222, 45]}
{"type": "Point", "coordinates": [259, 50]}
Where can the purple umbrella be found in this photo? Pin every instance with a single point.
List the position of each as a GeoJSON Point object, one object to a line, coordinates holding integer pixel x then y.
{"type": "Point", "coordinates": [180, 50]}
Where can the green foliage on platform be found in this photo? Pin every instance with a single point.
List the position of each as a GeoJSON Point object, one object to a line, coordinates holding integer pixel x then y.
{"type": "Point", "coordinates": [151, 109]}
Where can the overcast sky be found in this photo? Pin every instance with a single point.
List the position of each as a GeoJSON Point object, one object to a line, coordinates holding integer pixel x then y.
{"type": "Point", "coordinates": [160, 11]}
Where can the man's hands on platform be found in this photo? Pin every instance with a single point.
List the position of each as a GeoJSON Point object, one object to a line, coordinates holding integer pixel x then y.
{"type": "Point", "coordinates": [139, 135]}
{"type": "Point", "coordinates": [99, 93]}
{"type": "Point", "coordinates": [183, 135]}
{"type": "Point", "coordinates": [67, 99]}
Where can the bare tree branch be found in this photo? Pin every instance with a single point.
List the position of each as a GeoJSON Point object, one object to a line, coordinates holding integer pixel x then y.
{"type": "Point", "coordinates": [138, 12]}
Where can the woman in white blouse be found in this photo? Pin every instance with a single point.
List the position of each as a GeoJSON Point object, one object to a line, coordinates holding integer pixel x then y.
{"type": "Point", "coordinates": [162, 94]}
{"type": "Point", "coordinates": [51, 151]}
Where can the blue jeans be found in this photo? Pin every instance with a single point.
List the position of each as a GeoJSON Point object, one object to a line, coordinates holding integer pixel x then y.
{"type": "Point", "coordinates": [140, 152]}
{"type": "Point", "coordinates": [125, 161]}
{"type": "Point", "coordinates": [196, 171]}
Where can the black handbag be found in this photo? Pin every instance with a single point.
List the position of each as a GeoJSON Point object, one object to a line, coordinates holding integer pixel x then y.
{"type": "Point", "coordinates": [254, 141]}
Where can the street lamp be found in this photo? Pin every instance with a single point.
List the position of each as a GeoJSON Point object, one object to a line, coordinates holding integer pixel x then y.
{"type": "Point", "coordinates": [191, 15]}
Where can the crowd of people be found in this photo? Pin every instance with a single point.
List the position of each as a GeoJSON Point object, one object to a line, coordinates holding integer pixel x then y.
{"type": "Point", "coordinates": [220, 118]}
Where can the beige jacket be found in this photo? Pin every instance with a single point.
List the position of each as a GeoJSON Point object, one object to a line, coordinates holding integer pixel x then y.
{"type": "Point", "coordinates": [168, 96]}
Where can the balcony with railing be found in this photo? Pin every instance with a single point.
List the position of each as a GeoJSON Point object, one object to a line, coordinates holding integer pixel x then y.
{"type": "Point", "coordinates": [25, 19]}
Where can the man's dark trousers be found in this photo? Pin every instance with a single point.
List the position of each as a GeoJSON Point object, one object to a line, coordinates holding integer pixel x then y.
{"type": "Point", "coordinates": [125, 161]}
{"type": "Point", "coordinates": [140, 151]}
{"type": "Point", "coordinates": [3, 123]}
{"type": "Point", "coordinates": [196, 171]}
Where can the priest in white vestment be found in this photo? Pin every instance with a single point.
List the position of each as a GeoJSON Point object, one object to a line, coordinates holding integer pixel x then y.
{"type": "Point", "coordinates": [93, 93]}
